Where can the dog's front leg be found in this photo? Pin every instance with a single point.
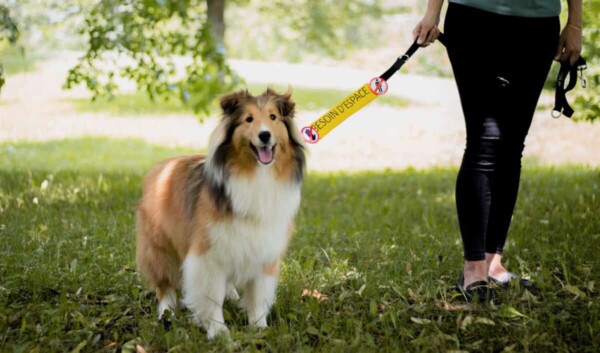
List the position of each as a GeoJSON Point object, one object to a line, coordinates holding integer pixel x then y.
{"type": "Point", "coordinates": [204, 286]}
{"type": "Point", "coordinates": [260, 295]}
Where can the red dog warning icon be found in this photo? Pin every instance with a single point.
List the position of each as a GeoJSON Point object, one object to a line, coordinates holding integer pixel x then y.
{"type": "Point", "coordinates": [378, 86]}
{"type": "Point", "coordinates": [310, 135]}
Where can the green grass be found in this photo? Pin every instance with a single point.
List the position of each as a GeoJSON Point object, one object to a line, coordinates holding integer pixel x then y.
{"type": "Point", "coordinates": [133, 104]}
{"type": "Point", "coordinates": [383, 247]}
{"type": "Point", "coordinates": [14, 61]}
{"type": "Point", "coordinates": [137, 104]}
{"type": "Point", "coordinates": [313, 99]}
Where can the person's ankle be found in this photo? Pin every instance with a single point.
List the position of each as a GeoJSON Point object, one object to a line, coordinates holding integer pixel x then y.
{"type": "Point", "coordinates": [474, 271]}
{"type": "Point", "coordinates": [499, 273]}
{"type": "Point", "coordinates": [495, 269]}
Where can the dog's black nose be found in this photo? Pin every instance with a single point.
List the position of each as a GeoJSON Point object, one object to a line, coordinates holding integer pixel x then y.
{"type": "Point", "coordinates": [264, 136]}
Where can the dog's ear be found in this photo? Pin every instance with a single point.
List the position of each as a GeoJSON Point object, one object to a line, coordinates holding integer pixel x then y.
{"type": "Point", "coordinates": [286, 105]}
{"type": "Point", "coordinates": [231, 102]}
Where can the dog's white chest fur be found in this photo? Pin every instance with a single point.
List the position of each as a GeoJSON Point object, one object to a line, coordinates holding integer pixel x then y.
{"type": "Point", "coordinates": [257, 233]}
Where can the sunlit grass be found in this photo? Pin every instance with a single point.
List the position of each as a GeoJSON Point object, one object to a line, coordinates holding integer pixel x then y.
{"type": "Point", "coordinates": [313, 99]}
{"type": "Point", "coordinates": [137, 104]}
{"type": "Point", "coordinates": [15, 60]}
{"type": "Point", "coordinates": [382, 248]}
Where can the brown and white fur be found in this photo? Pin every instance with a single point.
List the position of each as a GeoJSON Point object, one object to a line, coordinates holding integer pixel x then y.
{"type": "Point", "coordinates": [211, 224]}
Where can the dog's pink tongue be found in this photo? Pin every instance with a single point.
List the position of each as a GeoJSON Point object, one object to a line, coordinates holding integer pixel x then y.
{"type": "Point", "coordinates": [265, 154]}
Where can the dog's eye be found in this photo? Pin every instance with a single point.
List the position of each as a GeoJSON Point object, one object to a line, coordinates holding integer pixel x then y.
{"type": "Point", "coordinates": [249, 119]}
{"type": "Point", "coordinates": [272, 116]}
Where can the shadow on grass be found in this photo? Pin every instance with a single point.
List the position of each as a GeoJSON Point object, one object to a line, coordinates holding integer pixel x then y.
{"type": "Point", "coordinates": [382, 248]}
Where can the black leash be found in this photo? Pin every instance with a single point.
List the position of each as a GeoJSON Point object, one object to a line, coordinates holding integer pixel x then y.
{"type": "Point", "coordinates": [561, 105]}
{"type": "Point", "coordinates": [377, 86]}
{"type": "Point", "coordinates": [401, 60]}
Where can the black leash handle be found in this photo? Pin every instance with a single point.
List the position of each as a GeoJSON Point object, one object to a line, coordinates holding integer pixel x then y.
{"type": "Point", "coordinates": [401, 60]}
{"type": "Point", "coordinates": [561, 105]}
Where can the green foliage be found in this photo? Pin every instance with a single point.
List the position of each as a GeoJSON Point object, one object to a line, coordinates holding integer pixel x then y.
{"type": "Point", "coordinates": [8, 27]}
{"type": "Point", "coordinates": [43, 26]}
{"type": "Point", "coordinates": [329, 28]}
{"type": "Point", "coordinates": [8, 32]}
{"type": "Point", "coordinates": [587, 102]}
{"type": "Point", "coordinates": [383, 248]}
{"type": "Point", "coordinates": [47, 25]}
{"type": "Point", "coordinates": [158, 37]}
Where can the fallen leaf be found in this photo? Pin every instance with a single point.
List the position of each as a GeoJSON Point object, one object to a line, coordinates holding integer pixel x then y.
{"type": "Point", "coordinates": [576, 291]}
{"type": "Point", "coordinates": [468, 320]}
{"type": "Point", "coordinates": [315, 294]}
{"type": "Point", "coordinates": [484, 321]}
{"type": "Point", "coordinates": [454, 307]}
{"type": "Point", "coordinates": [509, 311]}
{"type": "Point", "coordinates": [420, 321]}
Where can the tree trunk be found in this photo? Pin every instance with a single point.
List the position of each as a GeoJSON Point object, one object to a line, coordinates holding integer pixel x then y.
{"type": "Point", "coordinates": [216, 19]}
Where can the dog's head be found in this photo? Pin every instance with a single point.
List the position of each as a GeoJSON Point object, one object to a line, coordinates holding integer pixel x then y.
{"type": "Point", "coordinates": [258, 131]}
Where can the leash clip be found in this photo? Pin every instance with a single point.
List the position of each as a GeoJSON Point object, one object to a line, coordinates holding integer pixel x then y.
{"type": "Point", "coordinates": [582, 75]}
{"type": "Point", "coordinates": [556, 114]}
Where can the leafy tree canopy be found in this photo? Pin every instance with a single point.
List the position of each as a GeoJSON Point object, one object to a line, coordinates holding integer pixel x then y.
{"type": "Point", "coordinates": [587, 102]}
{"type": "Point", "coordinates": [154, 35]}
{"type": "Point", "coordinates": [176, 48]}
{"type": "Point", "coordinates": [8, 32]}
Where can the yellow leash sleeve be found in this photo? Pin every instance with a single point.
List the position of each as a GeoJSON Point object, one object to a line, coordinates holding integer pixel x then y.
{"type": "Point", "coordinates": [338, 113]}
{"type": "Point", "coordinates": [356, 100]}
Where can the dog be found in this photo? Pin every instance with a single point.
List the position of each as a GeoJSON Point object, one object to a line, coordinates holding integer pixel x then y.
{"type": "Point", "coordinates": [210, 224]}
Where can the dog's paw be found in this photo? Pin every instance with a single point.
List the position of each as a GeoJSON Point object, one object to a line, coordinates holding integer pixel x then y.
{"type": "Point", "coordinates": [165, 313]}
{"type": "Point", "coordinates": [242, 303]}
{"type": "Point", "coordinates": [216, 329]}
{"type": "Point", "coordinates": [260, 323]}
{"type": "Point", "coordinates": [233, 295]}
{"type": "Point", "coordinates": [167, 303]}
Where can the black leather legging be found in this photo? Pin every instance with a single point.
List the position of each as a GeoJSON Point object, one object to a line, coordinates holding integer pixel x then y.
{"type": "Point", "coordinates": [500, 64]}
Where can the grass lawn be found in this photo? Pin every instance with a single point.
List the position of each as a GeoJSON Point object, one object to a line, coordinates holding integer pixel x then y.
{"type": "Point", "coordinates": [14, 61]}
{"type": "Point", "coordinates": [382, 248]}
{"type": "Point", "coordinates": [137, 104]}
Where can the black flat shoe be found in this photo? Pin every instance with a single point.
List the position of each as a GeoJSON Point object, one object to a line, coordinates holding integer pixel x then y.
{"type": "Point", "coordinates": [479, 291]}
{"type": "Point", "coordinates": [512, 280]}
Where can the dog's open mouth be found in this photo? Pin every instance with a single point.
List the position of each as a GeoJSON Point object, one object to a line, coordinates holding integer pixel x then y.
{"type": "Point", "coordinates": [264, 154]}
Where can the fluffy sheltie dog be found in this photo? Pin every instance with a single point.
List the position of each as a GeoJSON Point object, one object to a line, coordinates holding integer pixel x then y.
{"type": "Point", "coordinates": [211, 224]}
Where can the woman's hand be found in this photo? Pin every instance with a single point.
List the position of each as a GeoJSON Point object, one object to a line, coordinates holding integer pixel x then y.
{"type": "Point", "coordinates": [426, 31]}
{"type": "Point", "coordinates": [569, 44]}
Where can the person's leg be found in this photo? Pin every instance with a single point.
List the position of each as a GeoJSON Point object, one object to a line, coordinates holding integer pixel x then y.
{"type": "Point", "coordinates": [535, 41]}
{"type": "Point", "coordinates": [497, 119]}
{"type": "Point", "coordinates": [470, 54]}
{"type": "Point", "coordinates": [474, 188]}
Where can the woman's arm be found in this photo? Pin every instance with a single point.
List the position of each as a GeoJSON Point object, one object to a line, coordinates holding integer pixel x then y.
{"type": "Point", "coordinates": [426, 31]}
{"type": "Point", "coordinates": [569, 45]}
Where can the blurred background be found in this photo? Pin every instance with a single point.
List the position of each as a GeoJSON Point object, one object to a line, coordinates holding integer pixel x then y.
{"type": "Point", "coordinates": [152, 69]}
{"type": "Point", "coordinates": [95, 92]}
